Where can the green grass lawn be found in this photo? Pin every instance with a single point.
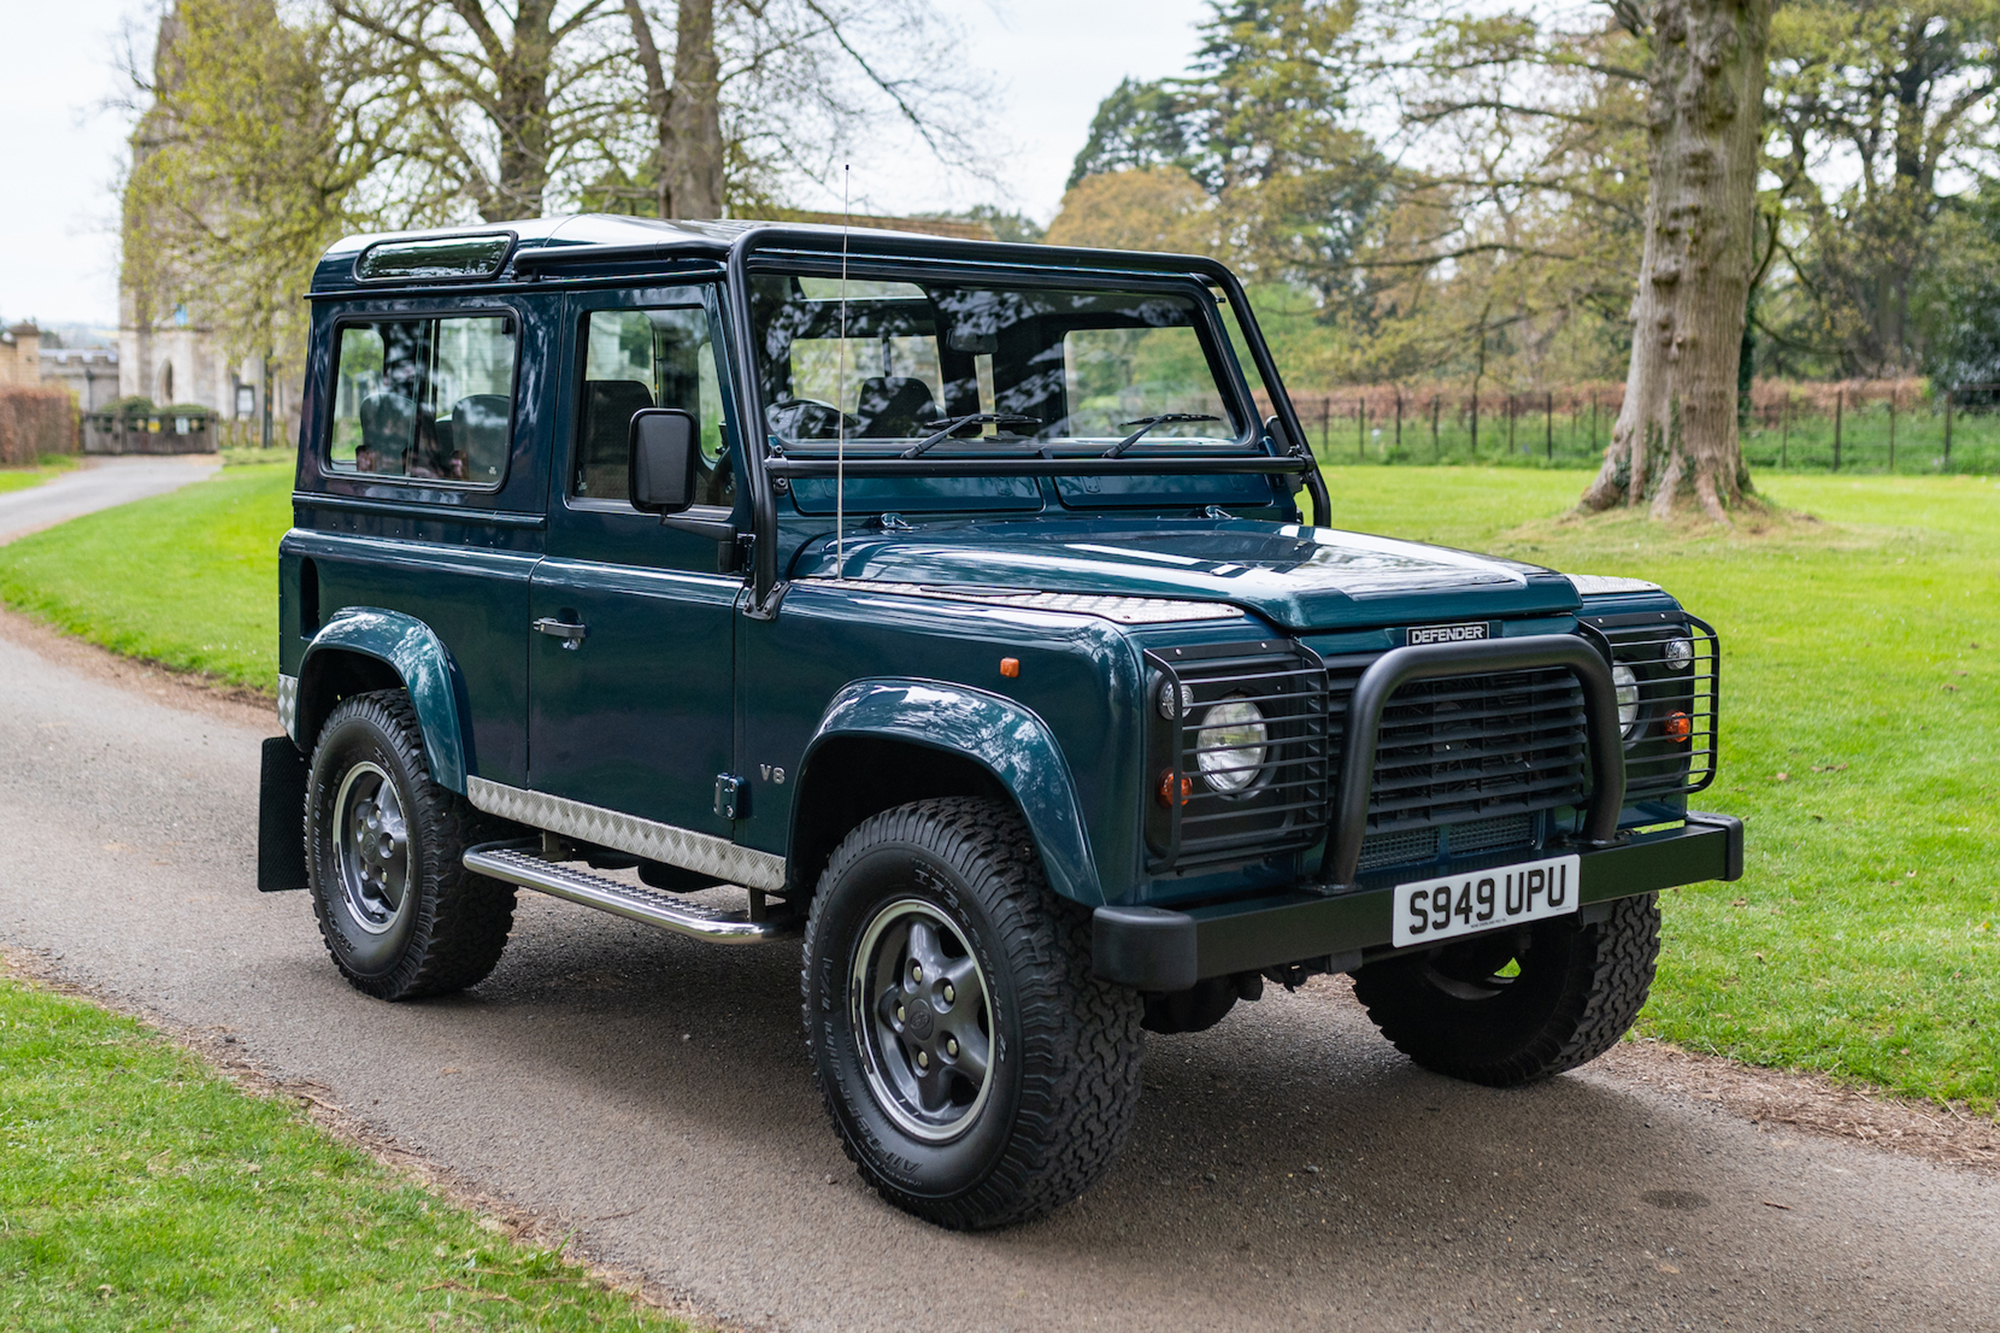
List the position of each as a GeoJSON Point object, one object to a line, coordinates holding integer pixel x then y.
{"type": "Point", "coordinates": [138, 1190]}
{"type": "Point", "coordinates": [1864, 940]}
{"type": "Point", "coordinates": [187, 579]}
{"type": "Point", "coordinates": [20, 478]}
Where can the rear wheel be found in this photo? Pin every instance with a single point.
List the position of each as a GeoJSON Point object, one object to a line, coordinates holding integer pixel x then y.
{"type": "Point", "coordinates": [399, 912]}
{"type": "Point", "coordinates": [1521, 1005]}
{"type": "Point", "coordinates": [977, 1072]}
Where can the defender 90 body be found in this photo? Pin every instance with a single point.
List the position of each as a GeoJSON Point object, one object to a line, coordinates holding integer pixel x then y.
{"type": "Point", "coordinates": [951, 604]}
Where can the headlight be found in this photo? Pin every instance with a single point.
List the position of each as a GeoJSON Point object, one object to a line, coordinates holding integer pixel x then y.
{"type": "Point", "coordinates": [1678, 654]}
{"type": "Point", "coordinates": [1231, 745]}
{"type": "Point", "coordinates": [1628, 697]}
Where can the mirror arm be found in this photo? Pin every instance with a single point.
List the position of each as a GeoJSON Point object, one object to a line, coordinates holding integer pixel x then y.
{"type": "Point", "coordinates": [715, 529]}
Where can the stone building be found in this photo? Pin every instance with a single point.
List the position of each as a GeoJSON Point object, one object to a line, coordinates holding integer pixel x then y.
{"type": "Point", "coordinates": [89, 373]}
{"type": "Point", "coordinates": [21, 357]}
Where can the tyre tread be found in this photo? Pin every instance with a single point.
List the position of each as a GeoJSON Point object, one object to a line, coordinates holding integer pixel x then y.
{"type": "Point", "coordinates": [463, 918]}
{"type": "Point", "coordinates": [1081, 1034]}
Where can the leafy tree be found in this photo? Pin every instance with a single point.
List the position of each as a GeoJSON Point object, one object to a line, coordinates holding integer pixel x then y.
{"type": "Point", "coordinates": [1143, 208]}
{"type": "Point", "coordinates": [1263, 124]}
{"type": "Point", "coordinates": [244, 168]}
{"type": "Point", "coordinates": [1956, 300]}
{"type": "Point", "coordinates": [1880, 112]}
{"type": "Point", "coordinates": [1139, 126]}
{"type": "Point", "coordinates": [505, 98]}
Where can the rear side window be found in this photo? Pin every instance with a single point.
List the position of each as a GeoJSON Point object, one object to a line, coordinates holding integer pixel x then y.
{"type": "Point", "coordinates": [429, 399]}
{"type": "Point", "coordinates": [635, 359]}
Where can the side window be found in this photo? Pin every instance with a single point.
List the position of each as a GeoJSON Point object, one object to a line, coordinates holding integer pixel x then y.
{"type": "Point", "coordinates": [425, 398]}
{"type": "Point", "coordinates": [635, 359]}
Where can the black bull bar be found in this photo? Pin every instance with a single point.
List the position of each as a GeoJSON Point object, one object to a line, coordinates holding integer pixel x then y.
{"type": "Point", "coordinates": [1333, 918]}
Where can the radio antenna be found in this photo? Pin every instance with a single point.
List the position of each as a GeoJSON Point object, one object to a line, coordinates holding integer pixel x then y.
{"type": "Point", "coordinates": [840, 393]}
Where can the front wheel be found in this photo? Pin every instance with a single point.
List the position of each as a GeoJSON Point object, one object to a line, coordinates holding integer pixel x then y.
{"type": "Point", "coordinates": [1520, 1005]}
{"type": "Point", "coordinates": [977, 1072]}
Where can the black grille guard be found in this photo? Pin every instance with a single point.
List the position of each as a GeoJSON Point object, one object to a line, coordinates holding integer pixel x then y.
{"type": "Point", "coordinates": [1400, 666]}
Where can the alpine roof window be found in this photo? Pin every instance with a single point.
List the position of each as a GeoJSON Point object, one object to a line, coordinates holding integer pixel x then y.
{"type": "Point", "coordinates": [435, 258]}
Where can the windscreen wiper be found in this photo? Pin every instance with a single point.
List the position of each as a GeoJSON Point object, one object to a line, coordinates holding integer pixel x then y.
{"type": "Point", "coordinates": [949, 425]}
{"type": "Point", "coordinates": [1147, 423]}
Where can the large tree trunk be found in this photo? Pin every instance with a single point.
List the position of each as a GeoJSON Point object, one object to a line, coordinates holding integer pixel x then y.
{"type": "Point", "coordinates": [687, 112]}
{"type": "Point", "coordinates": [694, 117]}
{"type": "Point", "coordinates": [1675, 439]}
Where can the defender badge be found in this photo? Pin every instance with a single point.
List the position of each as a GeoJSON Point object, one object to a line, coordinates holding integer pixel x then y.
{"type": "Point", "coordinates": [1447, 633]}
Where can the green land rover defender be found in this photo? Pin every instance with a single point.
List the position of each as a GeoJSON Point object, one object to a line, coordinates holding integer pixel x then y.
{"type": "Point", "coordinates": [944, 610]}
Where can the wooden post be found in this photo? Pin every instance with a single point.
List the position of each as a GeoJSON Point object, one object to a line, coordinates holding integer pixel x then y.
{"type": "Point", "coordinates": [1326, 425]}
{"type": "Point", "coordinates": [1513, 410]}
{"type": "Point", "coordinates": [1361, 430]}
{"type": "Point", "coordinates": [1399, 418]}
{"type": "Point", "coordinates": [1475, 425]}
{"type": "Point", "coordinates": [1549, 423]}
{"type": "Point", "coordinates": [1437, 455]}
{"type": "Point", "coordinates": [1949, 394]}
{"type": "Point", "coordinates": [1892, 430]}
{"type": "Point", "coordinates": [1785, 430]}
{"type": "Point", "coordinates": [1593, 420]}
{"type": "Point", "coordinates": [1839, 403]}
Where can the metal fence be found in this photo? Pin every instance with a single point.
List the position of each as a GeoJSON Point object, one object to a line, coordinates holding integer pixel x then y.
{"type": "Point", "coordinates": [1813, 428]}
{"type": "Point", "coordinates": [150, 433]}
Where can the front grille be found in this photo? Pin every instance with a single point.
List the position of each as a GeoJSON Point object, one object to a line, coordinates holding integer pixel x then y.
{"type": "Point", "coordinates": [1473, 748]}
{"type": "Point", "coordinates": [1463, 766]}
{"type": "Point", "coordinates": [1412, 846]}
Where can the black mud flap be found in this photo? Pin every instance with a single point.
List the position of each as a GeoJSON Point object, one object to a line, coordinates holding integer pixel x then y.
{"type": "Point", "coordinates": [281, 817]}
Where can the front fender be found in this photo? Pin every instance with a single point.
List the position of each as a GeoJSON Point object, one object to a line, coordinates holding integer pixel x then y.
{"type": "Point", "coordinates": [420, 660]}
{"type": "Point", "coordinates": [1003, 737]}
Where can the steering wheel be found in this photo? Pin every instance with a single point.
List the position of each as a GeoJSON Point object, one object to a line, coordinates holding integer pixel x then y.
{"type": "Point", "coordinates": [810, 418]}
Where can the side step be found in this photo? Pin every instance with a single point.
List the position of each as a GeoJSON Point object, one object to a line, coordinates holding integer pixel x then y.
{"type": "Point", "coordinates": [516, 863]}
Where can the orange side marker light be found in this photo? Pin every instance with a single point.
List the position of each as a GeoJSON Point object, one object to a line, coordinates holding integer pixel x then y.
{"type": "Point", "coordinates": [1678, 727]}
{"type": "Point", "coordinates": [1010, 667]}
{"type": "Point", "coordinates": [1167, 789]}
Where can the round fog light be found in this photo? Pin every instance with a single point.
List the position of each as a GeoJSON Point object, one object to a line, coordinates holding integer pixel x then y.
{"type": "Point", "coordinates": [1679, 654]}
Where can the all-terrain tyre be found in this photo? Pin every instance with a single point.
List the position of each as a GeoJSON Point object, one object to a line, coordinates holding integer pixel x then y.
{"type": "Point", "coordinates": [978, 1074]}
{"type": "Point", "coordinates": [399, 912]}
{"type": "Point", "coordinates": [1523, 1005]}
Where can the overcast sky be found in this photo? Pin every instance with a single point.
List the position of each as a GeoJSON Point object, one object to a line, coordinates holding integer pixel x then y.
{"type": "Point", "coordinates": [1051, 60]}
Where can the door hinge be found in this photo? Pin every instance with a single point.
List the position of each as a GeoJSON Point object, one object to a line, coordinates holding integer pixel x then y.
{"type": "Point", "coordinates": [732, 797]}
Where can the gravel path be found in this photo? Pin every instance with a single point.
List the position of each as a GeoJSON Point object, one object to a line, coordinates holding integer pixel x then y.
{"type": "Point", "coordinates": [99, 484]}
{"type": "Point", "coordinates": [1288, 1169]}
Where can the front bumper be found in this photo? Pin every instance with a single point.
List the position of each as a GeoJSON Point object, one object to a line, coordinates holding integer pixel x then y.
{"type": "Point", "coordinates": [1155, 949]}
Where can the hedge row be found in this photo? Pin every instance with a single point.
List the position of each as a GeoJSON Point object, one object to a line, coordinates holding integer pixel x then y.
{"type": "Point", "coordinates": [34, 422]}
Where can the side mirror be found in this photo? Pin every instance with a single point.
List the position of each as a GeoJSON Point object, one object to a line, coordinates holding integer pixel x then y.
{"type": "Point", "coordinates": [663, 460]}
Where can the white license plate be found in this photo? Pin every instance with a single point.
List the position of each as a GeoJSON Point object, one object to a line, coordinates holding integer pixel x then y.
{"type": "Point", "coordinates": [1430, 910]}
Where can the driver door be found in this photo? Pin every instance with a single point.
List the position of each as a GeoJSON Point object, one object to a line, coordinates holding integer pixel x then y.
{"type": "Point", "coordinates": [635, 713]}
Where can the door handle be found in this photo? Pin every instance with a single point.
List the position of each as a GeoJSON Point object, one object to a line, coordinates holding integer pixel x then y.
{"type": "Point", "coordinates": [570, 634]}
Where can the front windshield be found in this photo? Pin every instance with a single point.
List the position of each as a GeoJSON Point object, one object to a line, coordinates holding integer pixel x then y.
{"type": "Point", "coordinates": [1072, 370]}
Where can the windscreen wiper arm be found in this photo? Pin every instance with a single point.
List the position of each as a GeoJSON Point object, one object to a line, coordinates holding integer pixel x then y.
{"type": "Point", "coordinates": [952, 424]}
{"type": "Point", "coordinates": [1147, 423]}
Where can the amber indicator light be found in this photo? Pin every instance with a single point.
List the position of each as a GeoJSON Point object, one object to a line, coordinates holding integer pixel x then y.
{"type": "Point", "coordinates": [1167, 789]}
{"type": "Point", "coordinates": [1010, 667]}
{"type": "Point", "coordinates": [1678, 727]}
